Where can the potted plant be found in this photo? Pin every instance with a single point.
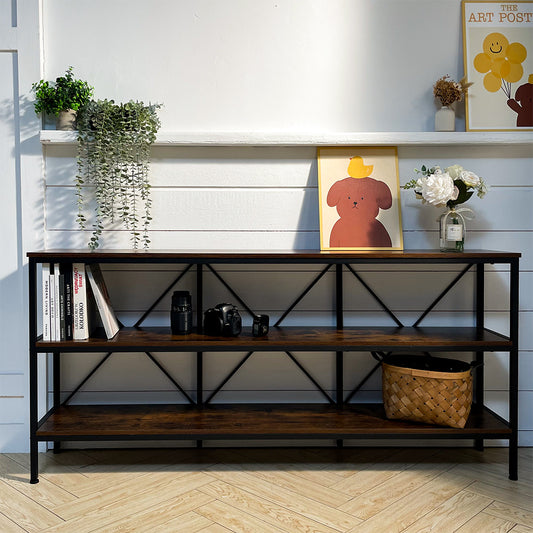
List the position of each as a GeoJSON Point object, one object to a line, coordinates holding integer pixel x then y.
{"type": "Point", "coordinates": [113, 158]}
{"type": "Point", "coordinates": [62, 98]}
{"type": "Point", "coordinates": [448, 92]}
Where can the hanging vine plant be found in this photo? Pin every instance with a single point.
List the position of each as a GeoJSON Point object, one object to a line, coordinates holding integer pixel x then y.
{"type": "Point", "coordinates": [113, 157]}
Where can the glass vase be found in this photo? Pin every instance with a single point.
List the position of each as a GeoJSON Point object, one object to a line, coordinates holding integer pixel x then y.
{"type": "Point", "coordinates": [452, 231]}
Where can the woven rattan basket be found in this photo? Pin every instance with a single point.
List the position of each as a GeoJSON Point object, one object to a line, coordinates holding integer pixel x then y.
{"type": "Point", "coordinates": [419, 388]}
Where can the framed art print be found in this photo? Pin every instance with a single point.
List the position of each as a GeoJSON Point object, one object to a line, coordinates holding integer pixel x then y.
{"type": "Point", "coordinates": [359, 198]}
{"type": "Point", "coordinates": [498, 60]}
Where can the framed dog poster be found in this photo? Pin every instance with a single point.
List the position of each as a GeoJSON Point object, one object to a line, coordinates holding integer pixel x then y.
{"type": "Point", "coordinates": [498, 59]}
{"type": "Point", "coordinates": [359, 198]}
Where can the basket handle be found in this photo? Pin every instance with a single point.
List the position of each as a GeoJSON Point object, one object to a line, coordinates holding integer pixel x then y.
{"type": "Point", "coordinates": [380, 356]}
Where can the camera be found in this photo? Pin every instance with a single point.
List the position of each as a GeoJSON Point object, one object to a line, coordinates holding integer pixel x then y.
{"type": "Point", "coordinates": [181, 313]}
{"type": "Point", "coordinates": [222, 320]}
{"type": "Point", "coordinates": [260, 325]}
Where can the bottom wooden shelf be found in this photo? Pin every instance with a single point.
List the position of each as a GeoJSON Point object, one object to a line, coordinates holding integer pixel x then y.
{"type": "Point", "coordinates": [250, 421]}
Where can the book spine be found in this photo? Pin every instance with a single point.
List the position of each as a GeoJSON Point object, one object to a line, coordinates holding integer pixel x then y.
{"type": "Point", "coordinates": [46, 301]}
{"type": "Point", "coordinates": [62, 328]}
{"type": "Point", "coordinates": [79, 300]}
{"type": "Point", "coordinates": [52, 293]}
{"type": "Point", "coordinates": [57, 303]}
{"type": "Point", "coordinates": [67, 272]}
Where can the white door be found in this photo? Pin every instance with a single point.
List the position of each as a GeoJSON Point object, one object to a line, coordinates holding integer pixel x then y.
{"type": "Point", "coordinates": [20, 175]}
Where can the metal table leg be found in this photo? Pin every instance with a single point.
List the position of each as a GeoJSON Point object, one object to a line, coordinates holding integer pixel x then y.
{"type": "Point", "coordinates": [513, 372]}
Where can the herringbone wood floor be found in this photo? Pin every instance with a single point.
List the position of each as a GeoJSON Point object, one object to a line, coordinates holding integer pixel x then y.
{"type": "Point", "coordinates": [268, 490]}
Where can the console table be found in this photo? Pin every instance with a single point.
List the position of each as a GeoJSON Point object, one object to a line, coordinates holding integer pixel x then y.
{"type": "Point", "coordinates": [337, 418]}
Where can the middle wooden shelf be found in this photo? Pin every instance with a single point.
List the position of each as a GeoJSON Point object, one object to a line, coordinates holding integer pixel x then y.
{"type": "Point", "coordinates": [293, 338]}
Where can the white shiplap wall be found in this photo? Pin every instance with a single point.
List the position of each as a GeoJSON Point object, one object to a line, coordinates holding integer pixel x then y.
{"type": "Point", "coordinates": [266, 197]}
{"type": "Point", "coordinates": [279, 66]}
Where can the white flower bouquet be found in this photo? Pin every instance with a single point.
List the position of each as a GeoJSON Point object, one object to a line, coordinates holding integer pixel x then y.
{"type": "Point", "coordinates": [446, 188]}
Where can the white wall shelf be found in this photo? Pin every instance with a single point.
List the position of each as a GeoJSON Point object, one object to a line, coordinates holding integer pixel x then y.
{"type": "Point", "coordinates": [318, 139]}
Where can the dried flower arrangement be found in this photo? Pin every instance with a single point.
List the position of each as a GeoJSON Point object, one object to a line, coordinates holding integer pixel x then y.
{"type": "Point", "coordinates": [449, 91]}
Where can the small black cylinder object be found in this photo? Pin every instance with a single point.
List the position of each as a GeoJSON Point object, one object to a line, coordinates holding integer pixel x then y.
{"type": "Point", "coordinates": [260, 325]}
{"type": "Point", "coordinates": [181, 313]}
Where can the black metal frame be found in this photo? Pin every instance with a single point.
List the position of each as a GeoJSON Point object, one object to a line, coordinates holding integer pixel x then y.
{"type": "Point", "coordinates": [340, 264]}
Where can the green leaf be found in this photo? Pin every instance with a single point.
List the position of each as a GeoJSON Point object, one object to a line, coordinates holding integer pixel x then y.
{"type": "Point", "coordinates": [464, 193]}
{"type": "Point", "coordinates": [113, 156]}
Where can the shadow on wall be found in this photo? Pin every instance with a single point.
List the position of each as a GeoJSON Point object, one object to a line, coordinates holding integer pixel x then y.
{"type": "Point", "coordinates": [12, 278]}
{"type": "Point", "coordinates": [260, 197]}
{"type": "Point", "coordinates": [13, 348]}
{"type": "Point", "coordinates": [61, 207]}
{"type": "Point", "coordinates": [277, 185]}
{"type": "Point", "coordinates": [308, 234]}
{"type": "Point", "coordinates": [25, 143]}
{"type": "Point", "coordinates": [26, 115]}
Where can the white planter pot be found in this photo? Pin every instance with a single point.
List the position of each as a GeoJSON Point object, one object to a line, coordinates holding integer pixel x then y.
{"type": "Point", "coordinates": [66, 120]}
{"type": "Point", "coordinates": [445, 119]}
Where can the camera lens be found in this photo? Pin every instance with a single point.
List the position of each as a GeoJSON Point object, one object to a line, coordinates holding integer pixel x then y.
{"type": "Point", "coordinates": [181, 313]}
{"type": "Point", "coordinates": [181, 299]}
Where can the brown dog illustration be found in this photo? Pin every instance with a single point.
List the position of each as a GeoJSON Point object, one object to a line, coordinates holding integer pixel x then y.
{"type": "Point", "coordinates": [358, 202]}
{"type": "Point", "coordinates": [522, 104]}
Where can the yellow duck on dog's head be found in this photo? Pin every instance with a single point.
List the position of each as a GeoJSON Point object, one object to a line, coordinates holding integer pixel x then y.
{"type": "Point", "coordinates": [357, 169]}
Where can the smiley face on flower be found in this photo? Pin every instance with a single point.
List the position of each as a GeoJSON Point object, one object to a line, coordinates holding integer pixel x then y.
{"type": "Point", "coordinates": [500, 61]}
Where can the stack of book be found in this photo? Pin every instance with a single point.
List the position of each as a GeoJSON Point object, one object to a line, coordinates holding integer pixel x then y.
{"type": "Point", "coordinates": [66, 300]}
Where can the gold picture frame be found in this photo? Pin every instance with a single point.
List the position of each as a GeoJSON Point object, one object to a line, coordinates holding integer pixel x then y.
{"type": "Point", "coordinates": [359, 198]}
{"type": "Point", "coordinates": [498, 61]}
